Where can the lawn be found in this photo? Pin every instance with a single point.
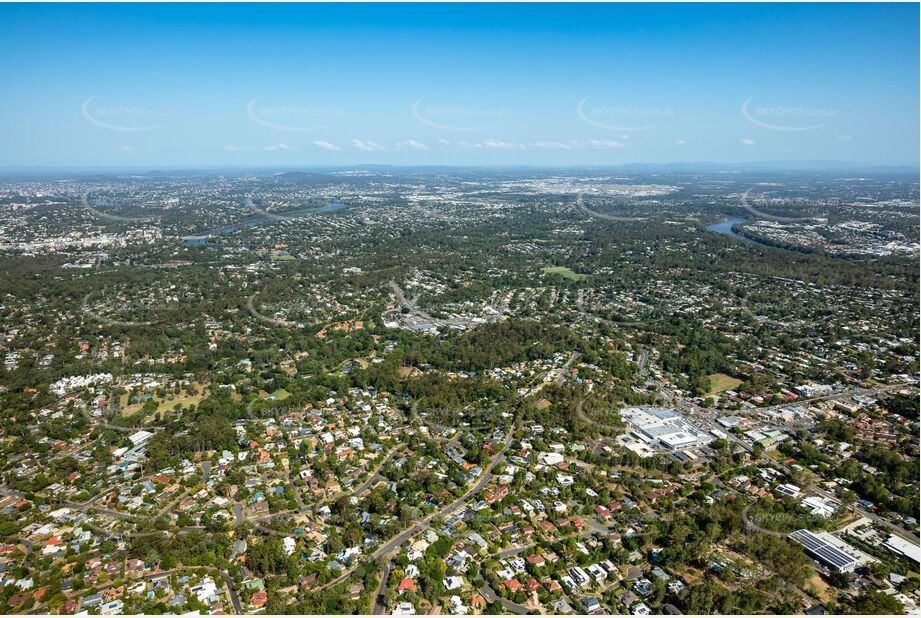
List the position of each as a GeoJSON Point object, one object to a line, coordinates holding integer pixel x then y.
{"type": "Point", "coordinates": [775, 455]}
{"type": "Point", "coordinates": [168, 405]}
{"type": "Point", "coordinates": [720, 382]}
{"type": "Point", "coordinates": [279, 395]}
{"type": "Point", "coordinates": [163, 405]}
{"type": "Point", "coordinates": [563, 271]}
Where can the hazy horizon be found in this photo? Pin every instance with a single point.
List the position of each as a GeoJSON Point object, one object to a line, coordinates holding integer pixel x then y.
{"type": "Point", "coordinates": [688, 166]}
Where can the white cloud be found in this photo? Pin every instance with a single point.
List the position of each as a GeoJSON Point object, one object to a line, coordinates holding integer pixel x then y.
{"type": "Point", "coordinates": [280, 146]}
{"type": "Point", "coordinates": [556, 145]}
{"type": "Point", "coordinates": [411, 145]}
{"type": "Point", "coordinates": [368, 145]}
{"type": "Point", "coordinates": [747, 141]}
{"type": "Point", "coordinates": [326, 145]}
{"type": "Point", "coordinates": [605, 143]}
{"type": "Point", "coordinates": [233, 149]}
{"type": "Point", "coordinates": [495, 144]}
{"type": "Point", "coordinates": [572, 144]}
{"type": "Point", "coordinates": [680, 142]}
{"type": "Point", "coordinates": [124, 148]}
{"type": "Point", "coordinates": [490, 144]}
{"type": "Point", "coordinates": [845, 138]}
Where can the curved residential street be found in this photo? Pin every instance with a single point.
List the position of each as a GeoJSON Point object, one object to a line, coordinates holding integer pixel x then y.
{"type": "Point", "coordinates": [400, 538]}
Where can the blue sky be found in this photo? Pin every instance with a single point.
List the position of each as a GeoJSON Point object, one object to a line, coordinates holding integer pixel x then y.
{"type": "Point", "coordinates": [291, 85]}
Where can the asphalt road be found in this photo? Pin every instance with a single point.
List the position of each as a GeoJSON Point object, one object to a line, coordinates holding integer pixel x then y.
{"type": "Point", "coordinates": [641, 365]}
{"type": "Point", "coordinates": [490, 595]}
{"type": "Point", "coordinates": [86, 506]}
{"type": "Point", "coordinates": [375, 474]}
{"type": "Point", "coordinates": [234, 598]}
{"type": "Point", "coordinates": [379, 609]}
{"type": "Point", "coordinates": [29, 548]}
{"type": "Point", "coordinates": [575, 356]}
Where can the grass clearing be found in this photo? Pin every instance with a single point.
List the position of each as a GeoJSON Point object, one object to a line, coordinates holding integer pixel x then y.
{"type": "Point", "coordinates": [564, 272]}
{"type": "Point", "coordinates": [818, 588]}
{"type": "Point", "coordinates": [168, 405]}
{"type": "Point", "coordinates": [720, 382]}
{"type": "Point", "coordinates": [279, 395]}
{"type": "Point", "coordinates": [408, 372]}
{"type": "Point", "coordinates": [165, 405]}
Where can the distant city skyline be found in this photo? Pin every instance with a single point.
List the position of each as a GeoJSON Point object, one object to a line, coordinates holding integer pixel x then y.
{"type": "Point", "coordinates": [283, 86]}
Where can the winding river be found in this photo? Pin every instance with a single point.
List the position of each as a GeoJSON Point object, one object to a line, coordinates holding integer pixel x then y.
{"type": "Point", "coordinates": [725, 227]}
{"type": "Point", "coordinates": [201, 239]}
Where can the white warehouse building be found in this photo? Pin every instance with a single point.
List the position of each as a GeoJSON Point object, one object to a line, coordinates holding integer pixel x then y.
{"type": "Point", "coordinates": [664, 427]}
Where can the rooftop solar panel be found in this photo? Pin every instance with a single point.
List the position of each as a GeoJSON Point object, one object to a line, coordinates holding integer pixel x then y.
{"type": "Point", "coordinates": [823, 550]}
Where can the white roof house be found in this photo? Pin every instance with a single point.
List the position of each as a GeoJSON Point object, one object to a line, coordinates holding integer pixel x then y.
{"type": "Point", "coordinates": [140, 437]}
{"type": "Point", "coordinates": [901, 546]}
